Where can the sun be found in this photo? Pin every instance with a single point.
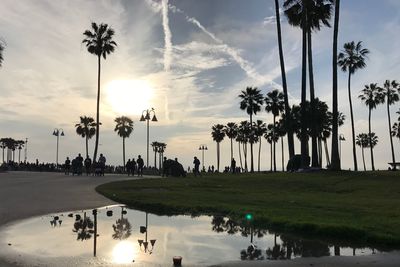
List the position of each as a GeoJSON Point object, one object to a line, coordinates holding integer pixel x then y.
{"type": "Point", "coordinates": [124, 252]}
{"type": "Point", "coordinates": [129, 96]}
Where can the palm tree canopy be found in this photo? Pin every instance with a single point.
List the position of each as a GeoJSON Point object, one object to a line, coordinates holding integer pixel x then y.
{"type": "Point", "coordinates": [396, 130]}
{"type": "Point", "coordinates": [373, 140]}
{"type": "Point", "coordinates": [391, 91]}
{"type": "Point", "coordinates": [231, 130]}
{"type": "Point", "coordinates": [124, 126]}
{"type": "Point", "coordinates": [274, 102]}
{"type": "Point", "coordinates": [155, 145]}
{"type": "Point", "coordinates": [317, 12]}
{"type": "Point", "coordinates": [218, 133]}
{"type": "Point", "coordinates": [1, 52]}
{"type": "Point", "coordinates": [362, 140]}
{"type": "Point", "coordinates": [99, 41]}
{"type": "Point", "coordinates": [353, 57]}
{"type": "Point", "coordinates": [372, 95]}
{"type": "Point", "coordinates": [86, 127]}
{"type": "Point", "coordinates": [252, 100]}
{"type": "Point", "coordinates": [244, 130]}
{"type": "Point", "coordinates": [272, 133]}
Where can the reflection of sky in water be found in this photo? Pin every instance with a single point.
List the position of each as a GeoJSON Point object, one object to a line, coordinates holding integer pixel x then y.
{"type": "Point", "coordinates": [191, 238]}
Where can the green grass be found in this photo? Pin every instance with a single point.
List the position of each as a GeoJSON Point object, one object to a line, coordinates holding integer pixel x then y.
{"type": "Point", "coordinates": [354, 208]}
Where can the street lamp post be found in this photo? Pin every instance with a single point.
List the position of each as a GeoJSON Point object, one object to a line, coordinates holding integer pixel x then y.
{"type": "Point", "coordinates": [145, 243]}
{"type": "Point", "coordinates": [58, 133]}
{"type": "Point", "coordinates": [146, 117]}
{"type": "Point", "coordinates": [202, 148]}
{"type": "Point", "coordinates": [341, 138]}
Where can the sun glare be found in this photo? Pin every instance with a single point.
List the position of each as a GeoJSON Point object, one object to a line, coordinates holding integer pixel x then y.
{"type": "Point", "coordinates": [123, 252]}
{"type": "Point", "coordinates": [129, 96]}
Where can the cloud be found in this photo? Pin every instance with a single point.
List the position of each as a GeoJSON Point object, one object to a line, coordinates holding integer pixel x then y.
{"type": "Point", "coordinates": [167, 36]}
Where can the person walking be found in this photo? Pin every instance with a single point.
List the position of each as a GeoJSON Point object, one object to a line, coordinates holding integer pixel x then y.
{"type": "Point", "coordinates": [128, 167]}
{"type": "Point", "coordinates": [133, 168]}
{"type": "Point", "coordinates": [88, 165]}
{"type": "Point", "coordinates": [233, 165]}
{"type": "Point", "coordinates": [67, 166]}
{"type": "Point", "coordinates": [102, 162]}
{"type": "Point", "coordinates": [140, 164]}
{"type": "Point", "coordinates": [196, 163]}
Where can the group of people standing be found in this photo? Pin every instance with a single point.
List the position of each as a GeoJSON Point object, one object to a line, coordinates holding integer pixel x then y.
{"type": "Point", "coordinates": [135, 165]}
{"type": "Point", "coordinates": [76, 165]}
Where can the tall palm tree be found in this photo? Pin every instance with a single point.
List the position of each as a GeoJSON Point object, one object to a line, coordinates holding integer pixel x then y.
{"type": "Point", "coordinates": [124, 128]}
{"type": "Point", "coordinates": [335, 164]}
{"type": "Point", "coordinates": [362, 141]}
{"type": "Point", "coordinates": [372, 141]}
{"type": "Point", "coordinates": [259, 130]}
{"type": "Point", "coordinates": [272, 136]}
{"type": "Point", "coordinates": [391, 89]}
{"type": "Point", "coordinates": [231, 130]}
{"type": "Point", "coordinates": [2, 45]}
{"type": "Point", "coordinates": [161, 149]}
{"type": "Point", "coordinates": [351, 59]}
{"type": "Point", "coordinates": [282, 131]}
{"type": "Point", "coordinates": [284, 84]}
{"type": "Point", "coordinates": [99, 42]}
{"type": "Point", "coordinates": [251, 101]}
{"type": "Point", "coordinates": [155, 145]}
{"type": "Point", "coordinates": [244, 131]}
{"type": "Point", "coordinates": [218, 135]}
{"type": "Point", "coordinates": [274, 103]}
{"type": "Point", "coordinates": [295, 11]}
{"type": "Point", "coordinates": [371, 95]}
{"type": "Point", "coordinates": [86, 129]}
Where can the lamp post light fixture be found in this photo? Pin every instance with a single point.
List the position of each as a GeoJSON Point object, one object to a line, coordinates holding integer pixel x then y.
{"type": "Point", "coordinates": [58, 133]}
{"type": "Point", "coordinates": [202, 148]}
{"type": "Point", "coordinates": [146, 117]}
{"type": "Point", "coordinates": [341, 138]}
{"type": "Point", "coordinates": [145, 248]}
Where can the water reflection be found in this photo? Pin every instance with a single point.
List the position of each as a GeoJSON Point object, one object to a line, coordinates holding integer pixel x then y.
{"type": "Point", "coordinates": [123, 235]}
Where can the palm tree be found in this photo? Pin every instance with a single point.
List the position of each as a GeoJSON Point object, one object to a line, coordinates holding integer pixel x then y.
{"type": "Point", "coordinates": [392, 96]}
{"type": "Point", "coordinates": [122, 227]}
{"type": "Point", "coordinates": [372, 95]}
{"type": "Point", "coordinates": [155, 145]}
{"type": "Point", "coordinates": [259, 130]}
{"type": "Point", "coordinates": [86, 129]}
{"type": "Point", "coordinates": [350, 59]}
{"type": "Point", "coordinates": [372, 141]}
{"type": "Point", "coordinates": [231, 130]}
{"type": "Point", "coordinates": [274, 103]}
{"type": "Point", "coordinates": [2, 45]}
{"type": "Point", "coordinates": [99, 42]}
{"type": "Point", "coordinates": [272, 136]}
{"type": "Point", "coordinates": [243, 138]}
{"type": "Point", "coordinates": [161, 150]}
{"type": "Point", "coordinates": [284, 84]}
{"type": "Point", "coordinates": [335, 165]}
{"type": "Point", "coordinates": [218, 135]}
{"type": "Point", "coordinates": [280, 127]}
{"type": "Point", "coordinates": [252, 100]}
{"type": "Point", "coordinates": [362, 141]}
{"type": "Point", "coordinates": [124, 128]}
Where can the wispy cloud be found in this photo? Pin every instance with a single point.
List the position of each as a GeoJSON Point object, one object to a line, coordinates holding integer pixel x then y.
{"type": "Point", "coordinates": [167, 36]}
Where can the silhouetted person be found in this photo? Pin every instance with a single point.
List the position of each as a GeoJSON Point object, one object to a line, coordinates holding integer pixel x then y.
{"type": "Point", "coordinates": [233, 165]}
{"type": "Point", "coordinates": [67, 166]}
{"type": "Point", "coordinates": [196, 163]}
{"type": "Point", "coordinates": [212, 168]}
{"type": "Point", "coordinates": [133, 168]}
{"type": "Point", "coordinates": [164, 169]}
{"type": "Point", "coordinates": [128, 167]}
{"type": "Point", "coordinates": [140, 164]}
{"type": "Point", "coordinates": [88, 165]}
{"type": "Point", "coordinates": [102, 162]}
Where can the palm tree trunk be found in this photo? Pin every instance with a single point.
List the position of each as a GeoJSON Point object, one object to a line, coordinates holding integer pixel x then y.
{"type": "Point", "coordinates": [319, 151]}
{"type": "Point", "coordinates": [155, 159]}
{"type": "Point", "coordinates": [353, 134]}
{"type": "Point", "coordinates": [283, 156]}
{"type": "Point", "coordinates": [97, 110]}
{"type": "Point", "coordinates": [362, 151]}
{"type": "Point", "coordinates": [259, 153]}
{"type": "Point", "coordinates": [240, 157]}
{"type": "Point", "coordinates": [218, 156]}
{"type": "Point", "coordinates": [284, 85]}
{"type": "Point", "coordinates": [271, 156]}
{"type": "Point", "coordinates": [314, 149]}
{"type": "Point", "coordinates": [274, 145]}
{"type": "Point", "coordinates": [245, 155]}
{"type": "Point", "coordinates": [391, 139]}
{"type": "Point", "coordinates": [87, 147]}
{"type": "Point", "coordinates": [231, 149]}
{"type": "Point", "coordinates": [335, 136]}
{"type": "Point", "coordinates": [304, 153]}
{"type": "Point", "coordinates": [251, 145]}
{"type": "Point", "coordinates": [328, 162]}
{"type": "Point", "coordinates": [123, 151]}
{"type": "Point", "coordinates": [369, 139]}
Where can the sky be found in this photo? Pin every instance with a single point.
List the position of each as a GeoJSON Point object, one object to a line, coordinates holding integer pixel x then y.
{"type": "Point", "coordinates": [187, 59]}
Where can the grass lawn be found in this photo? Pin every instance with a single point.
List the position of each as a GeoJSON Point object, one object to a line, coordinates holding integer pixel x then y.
{"type": "Point", "coordinates": [362, 207]}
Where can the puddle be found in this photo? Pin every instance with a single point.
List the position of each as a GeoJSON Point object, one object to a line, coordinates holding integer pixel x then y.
{"type": "Point", "coordinates": [134, 238]}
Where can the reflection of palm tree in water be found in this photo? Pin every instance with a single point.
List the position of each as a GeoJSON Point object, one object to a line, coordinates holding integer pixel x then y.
{"type": "Point", "coordinates": [304, 248]}
{"type": "Point", "coordinates": [83, 228]}
{"type": "Point", "coordinates": [277, 252]}
{"type": "Point", "coordinates": [122, 227]}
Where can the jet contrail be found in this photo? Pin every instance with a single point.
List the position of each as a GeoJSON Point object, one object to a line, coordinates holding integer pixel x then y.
{"type": "Point", "coordinates": [168, 36]}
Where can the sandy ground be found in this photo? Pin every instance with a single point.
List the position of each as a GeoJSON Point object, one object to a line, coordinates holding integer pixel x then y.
{"type": "Point", "coordinates": [27, 194]}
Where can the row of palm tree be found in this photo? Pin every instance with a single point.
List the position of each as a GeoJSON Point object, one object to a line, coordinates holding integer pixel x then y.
{"type": "Point", "coordinates": [11, 145]}
{"type": "Point", "coordinates": [158, 147]}
{"type": "Point", "coordinates": [365, 140]}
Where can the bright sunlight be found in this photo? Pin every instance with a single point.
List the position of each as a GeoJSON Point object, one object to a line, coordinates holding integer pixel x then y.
{"type": "Point", "coordinates": [129, 96]}
{"type": "Point", "coordinates": [123, 252]}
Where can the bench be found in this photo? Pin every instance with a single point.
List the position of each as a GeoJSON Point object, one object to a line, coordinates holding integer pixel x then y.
{"type": "Point", "coordinates": [394, 164]}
